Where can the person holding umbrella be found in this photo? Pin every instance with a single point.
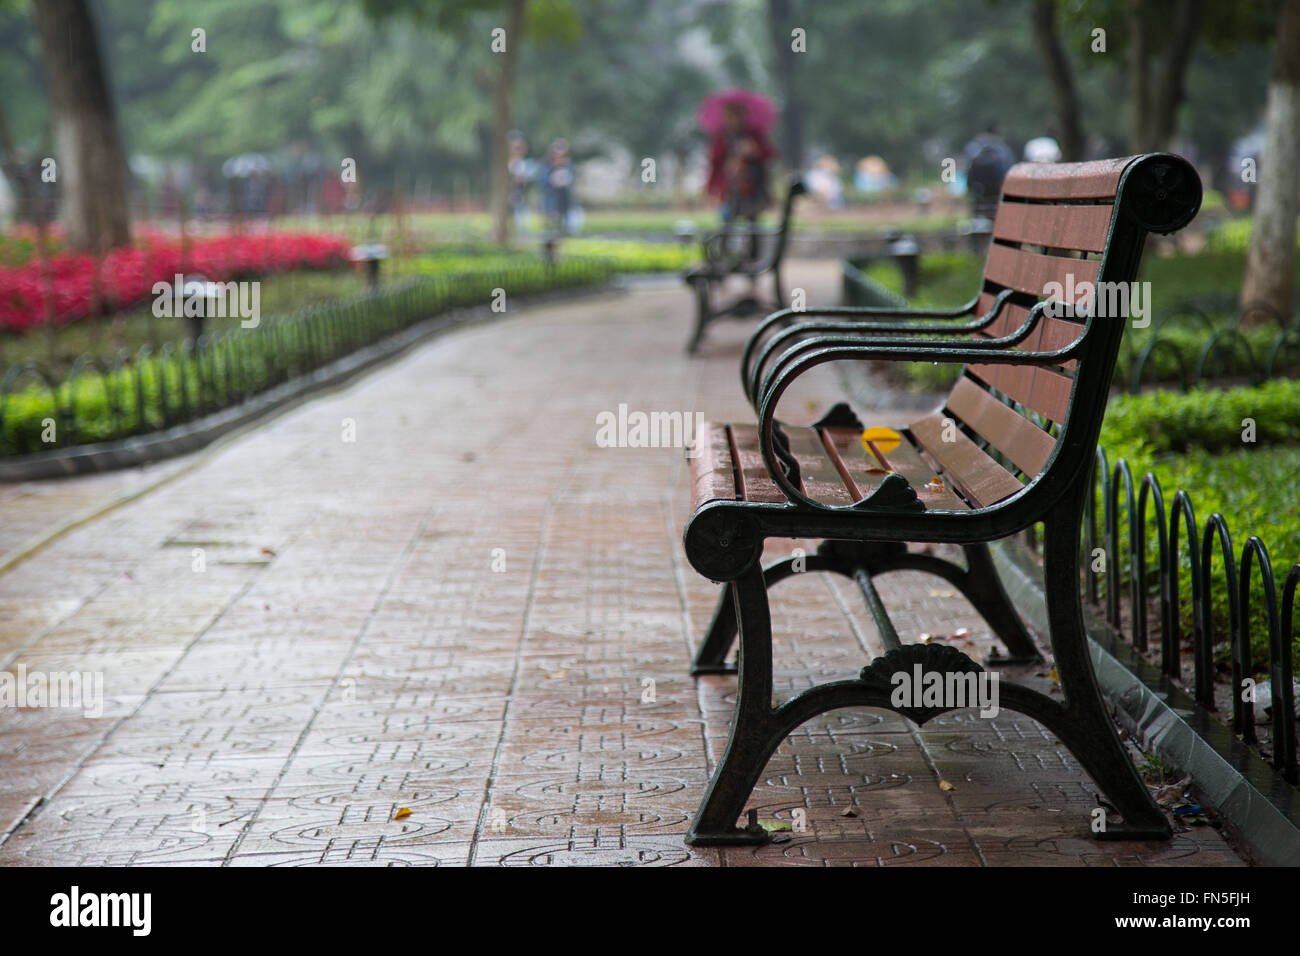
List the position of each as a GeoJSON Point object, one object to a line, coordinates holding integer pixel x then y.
{"type": "Point", "coordinates": [739, 153]}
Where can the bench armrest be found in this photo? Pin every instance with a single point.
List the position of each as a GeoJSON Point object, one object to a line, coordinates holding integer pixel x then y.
{"type": "Point", "coordinates": [880, 314]}
{"type": "Point", "coordinates": [801, 341]}
{"type": "Point", "coordinates": [786, 371]}
{"type": "Point", "coordinates": [832, 347]}
{"type": "Point", "coordinates": [788, 325]}
{"type": "Point", "coordinates": [800, 358]}
{"type": "Point", "coordinates": [714, 246]}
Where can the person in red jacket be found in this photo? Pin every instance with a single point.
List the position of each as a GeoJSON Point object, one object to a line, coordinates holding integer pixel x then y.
{"type": "Point", "coordinates": [738, 159]}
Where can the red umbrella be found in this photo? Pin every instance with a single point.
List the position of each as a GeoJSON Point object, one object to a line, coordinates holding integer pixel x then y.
{"type": "Point", "coordinates": [760, 113]}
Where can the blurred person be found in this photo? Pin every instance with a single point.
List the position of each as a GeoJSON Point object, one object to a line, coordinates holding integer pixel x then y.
{"type": "Point", "coordinates": [523, 173]}
{"type": "Point", "coordinates": [1042, 149]}
{"type": "Point", "coordinates": [988, 157]}
{"type": "Point", "coordinates": [738, 159]}
{"type": "Point", "coordinates": [872, 175]}
{"type": "Point", "coordinates": [824, 181]}
{"type": "Point", "coordinates": [557, 187]}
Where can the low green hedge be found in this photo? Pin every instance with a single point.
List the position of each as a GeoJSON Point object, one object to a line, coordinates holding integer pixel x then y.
{"type": "Point", "coordinates": [622, 255]}
{"type": "Point", "coordinates": [149, 392]}
{"type": "Point", "coordinates": [1194, 441]}
{"type": "Point", "coordinates": [1157, 423]}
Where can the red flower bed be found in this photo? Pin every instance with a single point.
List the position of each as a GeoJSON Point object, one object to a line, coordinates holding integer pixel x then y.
{"type": "Point", "coordinates": [127, 275]}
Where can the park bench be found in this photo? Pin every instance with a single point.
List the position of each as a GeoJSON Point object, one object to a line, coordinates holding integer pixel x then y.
{"type": "Point", "coordinates": [722, 260]}
{"type": "Point", "coordinates": [1012, 446]}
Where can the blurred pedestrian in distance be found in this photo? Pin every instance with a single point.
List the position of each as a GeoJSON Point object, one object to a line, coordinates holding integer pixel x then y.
{"type": "Point", "coordinates": [557, 189]}
{"type": "Point", "coordinates": [872, 175]}
{"type": "Point", "coordinates": [738, 159]}
{"type": "Point", "coordinates": [523, 172]}
{"type": "Point", "coordinates": [823, 180]}
{"type": "Point", "coordinates": [988, 157]}
{"type": "Point", "coordinates": [1042, 149]}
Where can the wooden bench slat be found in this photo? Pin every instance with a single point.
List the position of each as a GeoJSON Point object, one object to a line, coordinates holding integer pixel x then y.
{"type": "Point", "coordinates": [1008, 319]}
{"type": "Point", "coordinates": [712, 476]}
{"type": "Point", "coordinates": [1031, 272]}
{"type": "Point", "coordinates": [819, 478]}
{"type": "Point", "coordinates": [842, 466]}
{"type": "Point", "coordinates": [977, 475]}
{"type": "Point", "coordinates": [1042, 389]}
{"type": "Point", "coordinates": [818, 472]}
{"type": "Point", "coordinates": [1006, 429]}
{"type": "Point", "coordinates": [1060, 227]}
{"type": "Point", "coordinates": [905, 460]}
{"type": "Point", "coordinates": [1048, 333]}
{"type": "Point", "coordinates": [756, 483]}
{"type": "Point", "coordinates": [1098, 179]}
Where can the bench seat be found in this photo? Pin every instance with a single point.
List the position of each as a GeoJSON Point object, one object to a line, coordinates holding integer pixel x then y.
{"type": "Point", "coordinates": [834, 467]}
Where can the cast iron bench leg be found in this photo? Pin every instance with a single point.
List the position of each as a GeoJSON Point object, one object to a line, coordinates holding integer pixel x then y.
{"type": "Point", "coordinates": [721, 634]}
{"type": "Point", "coordinates": [754, 732]}
{"type": "Point", "coordinates": [703, 308]}
{"type": "Point", "coordinates": [983, 588]}
{"type": "Point", "coordinates": [758, 728]}
{"type": "Point", "coordinates": [1086, 728]}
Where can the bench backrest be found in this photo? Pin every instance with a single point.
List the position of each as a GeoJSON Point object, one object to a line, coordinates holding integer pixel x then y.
{"type": "Point", "coordinates": [794, 190]}
{"type": "Point", "coordinates": [1060, 231]}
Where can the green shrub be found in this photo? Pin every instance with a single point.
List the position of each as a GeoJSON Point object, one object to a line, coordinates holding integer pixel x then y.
{"type": "Point", "coordinates": [1210, 419]}
{"type": "Point", "coordinates": [155, 391]}
{"type": "Point", "coordinates": [1194, 442]}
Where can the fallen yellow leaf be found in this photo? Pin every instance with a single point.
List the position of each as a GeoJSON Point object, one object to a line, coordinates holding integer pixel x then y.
{"type": "Point", "coordinates": [885, 439]}
{"type": "Point", "coordinates": [402, 814]}
{"type": "Point", "coordinates": [945, 785]}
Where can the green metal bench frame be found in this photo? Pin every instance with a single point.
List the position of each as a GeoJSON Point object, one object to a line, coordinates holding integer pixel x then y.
{"type": "Point", "coordinates": [724, 539]}
{"type": "Point", "coordinates": [706, 278]}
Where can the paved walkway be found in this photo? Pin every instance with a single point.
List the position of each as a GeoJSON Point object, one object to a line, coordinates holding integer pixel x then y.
{"type": "Point", "coordinates": [459, 613]}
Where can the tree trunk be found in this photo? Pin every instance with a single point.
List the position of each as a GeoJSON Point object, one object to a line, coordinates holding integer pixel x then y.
{"type": "Point", "coordinates": [1270, 262]}
{"type": "Point", "coordinates": [779, 22]}
{"type": "Point", "coordinates": [499, 179]}
{"type": "Point", "coordinates": [89, 161]}
{"type": "Point", "coordinates": [1139, 96]}
{"type": "Point", "coordinates": [1060, 76]}
{"type": "Point", "coordinates": [1169, 90]}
